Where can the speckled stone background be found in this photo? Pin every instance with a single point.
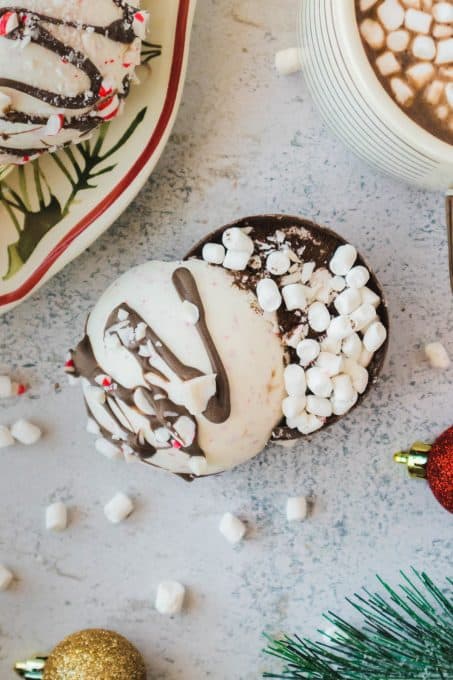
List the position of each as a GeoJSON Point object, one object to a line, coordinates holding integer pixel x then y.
{"type": "Point", "coordinates": [246, 142]}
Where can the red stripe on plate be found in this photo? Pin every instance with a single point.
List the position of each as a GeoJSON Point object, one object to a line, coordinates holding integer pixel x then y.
{"type": "Point", "coordinates": [107, 202]}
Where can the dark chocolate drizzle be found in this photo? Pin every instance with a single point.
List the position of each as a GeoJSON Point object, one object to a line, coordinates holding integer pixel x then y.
{"type": "Point", "coordinates": [120, 31]}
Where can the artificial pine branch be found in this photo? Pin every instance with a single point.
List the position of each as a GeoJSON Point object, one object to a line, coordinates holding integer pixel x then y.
{"type": "Point", "coordinates": [407, 635]}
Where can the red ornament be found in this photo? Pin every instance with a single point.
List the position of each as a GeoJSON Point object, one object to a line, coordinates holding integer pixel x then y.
{"type": "Point", "coordinates": [433, 463]}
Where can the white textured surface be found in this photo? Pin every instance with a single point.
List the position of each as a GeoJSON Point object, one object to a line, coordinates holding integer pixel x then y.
{"type": "Point", "coordinates": [246, 141]}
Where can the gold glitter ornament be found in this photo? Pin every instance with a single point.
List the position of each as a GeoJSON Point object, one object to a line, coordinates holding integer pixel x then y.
{"type": "Point", "coordinates": [88, 655]}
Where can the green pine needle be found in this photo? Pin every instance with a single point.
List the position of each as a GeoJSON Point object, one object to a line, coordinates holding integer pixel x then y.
{"type": "Point", "coordinates": [407, 635]}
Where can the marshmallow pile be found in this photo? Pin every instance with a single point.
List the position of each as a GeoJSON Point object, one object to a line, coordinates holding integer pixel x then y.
{"type": "Point", "coordinates": [337, 329]}
{"type": "Point", "coordinates": [412, 41]}
{"type": "Point", "coordinates": [23, 431]}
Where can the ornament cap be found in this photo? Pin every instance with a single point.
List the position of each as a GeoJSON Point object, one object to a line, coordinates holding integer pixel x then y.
{"type": "Point", "coordinates": [31, 669]}
{"type": "Point", "coordinates": [415, 459]}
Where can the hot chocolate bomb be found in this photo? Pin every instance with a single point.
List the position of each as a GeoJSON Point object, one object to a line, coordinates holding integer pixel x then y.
{"type": "Point", "coordinates": [272, 329]}
{"type": "Point", "coordinates": [65, 67]}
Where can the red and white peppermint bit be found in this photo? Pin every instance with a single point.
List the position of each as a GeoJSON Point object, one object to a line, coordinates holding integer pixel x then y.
{"type": "Point", "coordinates": [109, 108]}
{"type": "Point", "coordinates": [69, 365]}
{"type": "Point", "coordinates": [140, 24]}
{"type": "Point", "coordinates": [54, 124]}
{"type": "Point", "coordinates": [175, 444]}
{"type": "Point", "coordinates": [21, 389]}
{"type": "Point", "coordinates": [8, 23]}
{"type": "Point", "coordinates": [106, 88]}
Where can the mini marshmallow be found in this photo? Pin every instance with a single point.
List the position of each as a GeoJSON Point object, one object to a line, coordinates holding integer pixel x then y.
{"type": "Point", "coordinates": [352, 346]}
{"type": "Point", "coordinates": [214, 253]}
{"type": "Point", "coordinates": [318, 317]}
{"type": "Point", "coordinates": [307, 351]}
{"type": "Point", "coordinates": [348, 301]}
{"type": "Point", "coordinates": [398, 41]}
{"type": "Point", "coordinates": [343, 389]}
{"type": "Point", "coordinates": [391, 14]}
{"type": "Point", "coordinates": [388, 64]}
{"type": "Point", "coordinates": [56, 517]}
{"type": "Point", "coordinates": [307, 423]}
{"type": "Point", "coordinates": [365, 358]}
{"type": "Point", "coordinates": [118, 508]}
{"type": "Point", "coordinates": [92, 427]}
{"type": "Point", "coordinates": [369, 297]}
{"type": "Point", "coordinates": [293, 406]}
{"type": "Point", "coordinates": [444, 51]}
{"type": "Point", "coordinates": [363, 316]}
{"type": "Point", "coordinates": [296, 509]}
{"type": "Point", "coordinates": [319, 406]}
{"type": "Point", "coordinates": [442, 31]}
{"type": "Point", "coordinates": [434, 92]}
{"type": "Point", "coordinates": [25, 432]}
{"type": "Point", "coordinates": [337, 283]}
{"type": "Point", "coordinates": [232, 528]}
{"type": "Point", "coordinates": [437, 355]}
{"type": "Point", "coordinates": [372, 33]}
{"type": "Point", "coordinates": [343, 260]}
{"type": "Point", "coordinates": [417, 21]}
{"type": "Point", "coordinates": [107, 448]}
{"type": "Point", "coordinates": [340, 327]}
{"type": "Point", "coordinates": [307, 271]}
{"type": "Point", "coordinates": [420, 74]}
{"type": "Point", "coordinates": [6, 387]}
{"type": "Point", "coordinates": [443, 12]}
{"type": "Point", "coordinates": [236, 260]}
{"type": "Point", "coordinates": [442, 112]}
{"type": "Point", "coordinates": [375, 336]}
{"type": "Point", "coordinates": [358, 374]}
{"type": "Point", "coordinates": [198, 465]}
{"type": "Point", "coordinates": [236, 239]}
{"type": "Point", "coordinates": [424, 47]}
{"type": "Point", "coordinates": [319, 382]}
{"type": "Point", "coordinates": [6, 438]}
{"type": "Point", "coordinates": [190, 312]}
{"type": "Point", "coordinates": [294, 297]}
{"type": "Point", "coordinates": [331, 364]}
{"type": "Point", "coordinates": [268, 294]}
{"type": "Point", "coordinates": [295, 381]}
{"type": "Point", "coordinates": [357, 277]}
{"type": "Point", "coordinates": [170, 598]}
{"type": "Point", "coordinates": [288, 61]}
{"type": "Point", "coordinates": [6, 578]}
{"type": "Point", "coordinates": [278, 263]}
{"type": "Point", "coordinates": [403, 93]}
{"type": "Point", "coordinates": [340, 407]}
{"type": "Point", "coordinates": [162, 435]}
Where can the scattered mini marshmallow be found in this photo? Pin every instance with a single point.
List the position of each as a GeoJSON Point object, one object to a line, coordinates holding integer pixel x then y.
{"type": "Point", "coordinates": [391, 14]}
{"type": "Point", "coordinates": [236, 239]}
{"type": "Point", "coordinates": [443, 12]}
{"type": "Point", "coordinates": [365, 358]}
{"type": "Point", "coordinates": [232, 528]}
{"type": "Point", "coordinates": [293, 406]}
{"type": "Point", "coordinates": [107, 448]}
{"type": "Point", "coordinates": [307, 423]}
{"type": "Point", "coordinates": [190, 312]}
{"type": "Point", "coordinates": [319, 406]}
{"type": "Point", "coordinates": [437, 355]}
{"type": "Point", "coordinates": [214, 253]}
{"type": "Point", "coordinates": [308, 351]}
{"type": "Point", "coordinates": [444, 51]}
{"type": "Point", "coordinates": [6, 438]}
{"type": "Point", "coordinates": [372, 33]}
{"type": "Point", "coordinates": [56, 517]}
{"type": "Point", "coordinates": [343, 260]}
{"type": "Point", "coordinates": [398, 41]}
{"type": "Point", "coordinates": [26, 432]}
{"type": "Point", "coordinates": [343, 389]}
{"type": "Point", "coordinates": [348, 301]}
{"type": "Point", "coordinates": [358, 374]}
{"type": "Point", "coordinates": [337, 283]}
{"type": "Point", "coordinates": [118, 508]}
{"type": "Point", "coordinates": [295, 380]}
{"type": "Point", "coordinates": [341, 407]}
{"type": "Point", "coordinates": [404, 94]}
{"type": "Point", "coordinates": [198, 465]}
{"type": "Point", "coordinates": [6, 578]}
{"type": "Point", "coordinates": [418, 21]}
{"type": "Point", "coordinates": [278, 263]}
{"type": "Point", "coordinates": [236, 260]}
{"type": "Point", "coordinates": [294, 296]}
{"type": "Point", "coordinates": [424, 47]}
{"type": "Point", "coordinates": [318, 317]}
{"type": "Point", "coordinates": [288, 61]}
{"type": "Point", "coordinates": [331, 345]}
{"type": "Point", "coordinates": [369, 297]}
{"type": "Point", "coordinates": [352, 346]}
{"type": "Point", "coordinates": [434, 92]}
{"type": "Point", "coordinates": [296, 509]}
{"type": "Point", "coordinates": [375, 336]}
{"type": "Point", "coordinates": [420, 74]}
{"type": "Point", "coordinates": [340, 327]}
{"type": "Point", "coordinates": [8, 388]}
{"type": "Point", "coordinates": [357, 277]}
{"type": "Point", "coordinates": [170, 598]}
{"type": "Point", "coordinates": [442, 31]}
{"type": "Point", "coordinates": [319, 382]}
{"type": "Point", "coordinates": [330, 363]}
{"type": "Point", "coordinates": [363, 316]}
{"type": "Point", "coordinates": [388, 64]}
{"type": "Point", "coordinates": [268, 294]}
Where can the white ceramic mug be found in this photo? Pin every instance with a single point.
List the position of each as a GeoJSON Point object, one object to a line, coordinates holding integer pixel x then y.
{"type": "Point", "coordinates": [359, 110]}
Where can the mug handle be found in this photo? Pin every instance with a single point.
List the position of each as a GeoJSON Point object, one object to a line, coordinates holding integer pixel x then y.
{"type": "Point", "coordinates": [449, 207]}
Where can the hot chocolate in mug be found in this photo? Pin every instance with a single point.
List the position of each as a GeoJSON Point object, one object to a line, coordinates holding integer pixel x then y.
{"type": "Point", "coordinates": [356, 103]}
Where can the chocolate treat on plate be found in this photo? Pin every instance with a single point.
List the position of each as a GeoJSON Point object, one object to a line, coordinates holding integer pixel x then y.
{"type": "Point", "coordinates": [271, 329]}
{"type": "Point", "coordinates": [65, 68]}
